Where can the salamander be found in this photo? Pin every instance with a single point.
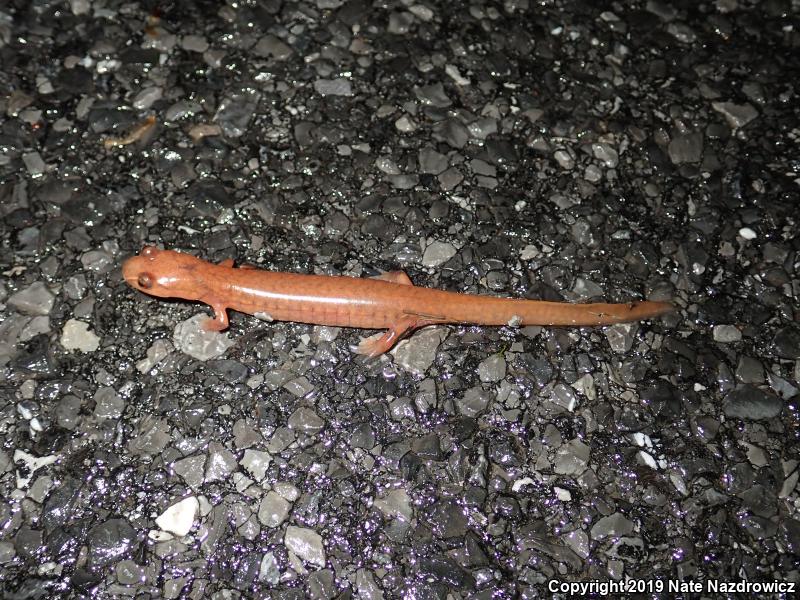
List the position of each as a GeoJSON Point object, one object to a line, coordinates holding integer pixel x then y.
{"type": "Point", "coordinates": [389, 301]}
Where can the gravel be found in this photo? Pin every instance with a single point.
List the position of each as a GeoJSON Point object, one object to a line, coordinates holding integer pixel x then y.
{"type": "Point", "coordinates": [552, 150]}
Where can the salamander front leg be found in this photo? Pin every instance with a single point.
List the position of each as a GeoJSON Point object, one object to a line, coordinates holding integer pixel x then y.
{"type": "Point", "coordinates": [380, 343]}
{"type": "Point", "coordinates": [220, 320]}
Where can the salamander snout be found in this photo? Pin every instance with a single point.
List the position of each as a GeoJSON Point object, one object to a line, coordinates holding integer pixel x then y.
{"type": "Point", "coordinates": [135, 272]}
{"type": "Point", "coordinates": [163, 273]}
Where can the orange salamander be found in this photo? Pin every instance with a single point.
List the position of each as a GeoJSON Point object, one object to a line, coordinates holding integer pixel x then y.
{"type": "Point", "coordinates": [389, 301]}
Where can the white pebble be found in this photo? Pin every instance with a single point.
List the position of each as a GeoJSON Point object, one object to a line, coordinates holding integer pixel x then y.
{"type": "Point", "coordinates": [179, 517]}
{"type": "Point", "coordinates": [77, 336]}
{"type": "Point", "coordinates": [747, 233]}
{"type": "Point", "coordinates": [562, 494]}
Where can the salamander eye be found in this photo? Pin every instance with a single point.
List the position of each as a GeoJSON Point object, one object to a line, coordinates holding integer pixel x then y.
{"type": "Point", "coordinates": [149, 251]}
{"type": "Point", "coordinates": [145, 281]}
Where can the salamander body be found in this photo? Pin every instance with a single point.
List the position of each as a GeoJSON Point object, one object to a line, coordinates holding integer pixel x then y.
{"type": "Point", "coordinates": [389, 301]}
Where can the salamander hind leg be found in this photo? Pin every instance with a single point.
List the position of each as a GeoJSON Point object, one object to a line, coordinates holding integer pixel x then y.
{"type": "Point", "coordinates": [220, 320]}
{"type": "Point", "coordinates": [394, 277]}
{"type": "Point", "coordinates": [380, 343]}
{"type": "Point", "coordinates": [228, 264]}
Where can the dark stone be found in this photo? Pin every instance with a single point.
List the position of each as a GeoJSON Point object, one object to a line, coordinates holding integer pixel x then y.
{"type": "Point", "coordinates": [37, 357]}
{"type": "Point", "coordinates": [787, 342]}
{"type": "Point", "coordinates": [231, 371]}
{"type": "Point", "coordinates": [109, 542]}
{"type": "Point", "coordinates": [749, 402]}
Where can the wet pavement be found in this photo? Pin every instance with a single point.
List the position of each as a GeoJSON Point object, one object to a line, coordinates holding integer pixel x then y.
{"type": "Point", "coordinates": [548, 150]}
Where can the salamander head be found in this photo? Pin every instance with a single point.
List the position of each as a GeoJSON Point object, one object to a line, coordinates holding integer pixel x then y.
{"type": "Point", "coordinates": [164, 273]}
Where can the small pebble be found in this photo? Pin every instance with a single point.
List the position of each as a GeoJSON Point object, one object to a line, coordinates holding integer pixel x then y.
{"type": "Point", "coordinates": [194, 43]}
{"type": "Point", "coordinates": [36, 299]}
{"type": "Point", "coordinates": [334, 87]}
{"type": "Point", "coordinates": [727, 334]}
{"type": "Point", "coordinates": [437, 253]}
{"type": "Point", "coordinates": [179, 518]}
{"type": "Point", "coordinates": [747, 233]}
{"type": "Point", "coordinates": [737, 115]}
{"type": "Point", "coordinates": [273, 510]}
{"type": "Point", "coordinates": [34, 164]}
{"type": "Point", "coordinates": [306, 544]}
{"type": "Point", "coordinates": [76, 335]}
{"type": "Point", "coordinates": [492, 369]}
{"type": "Point", "coordinates": [191, 338]}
